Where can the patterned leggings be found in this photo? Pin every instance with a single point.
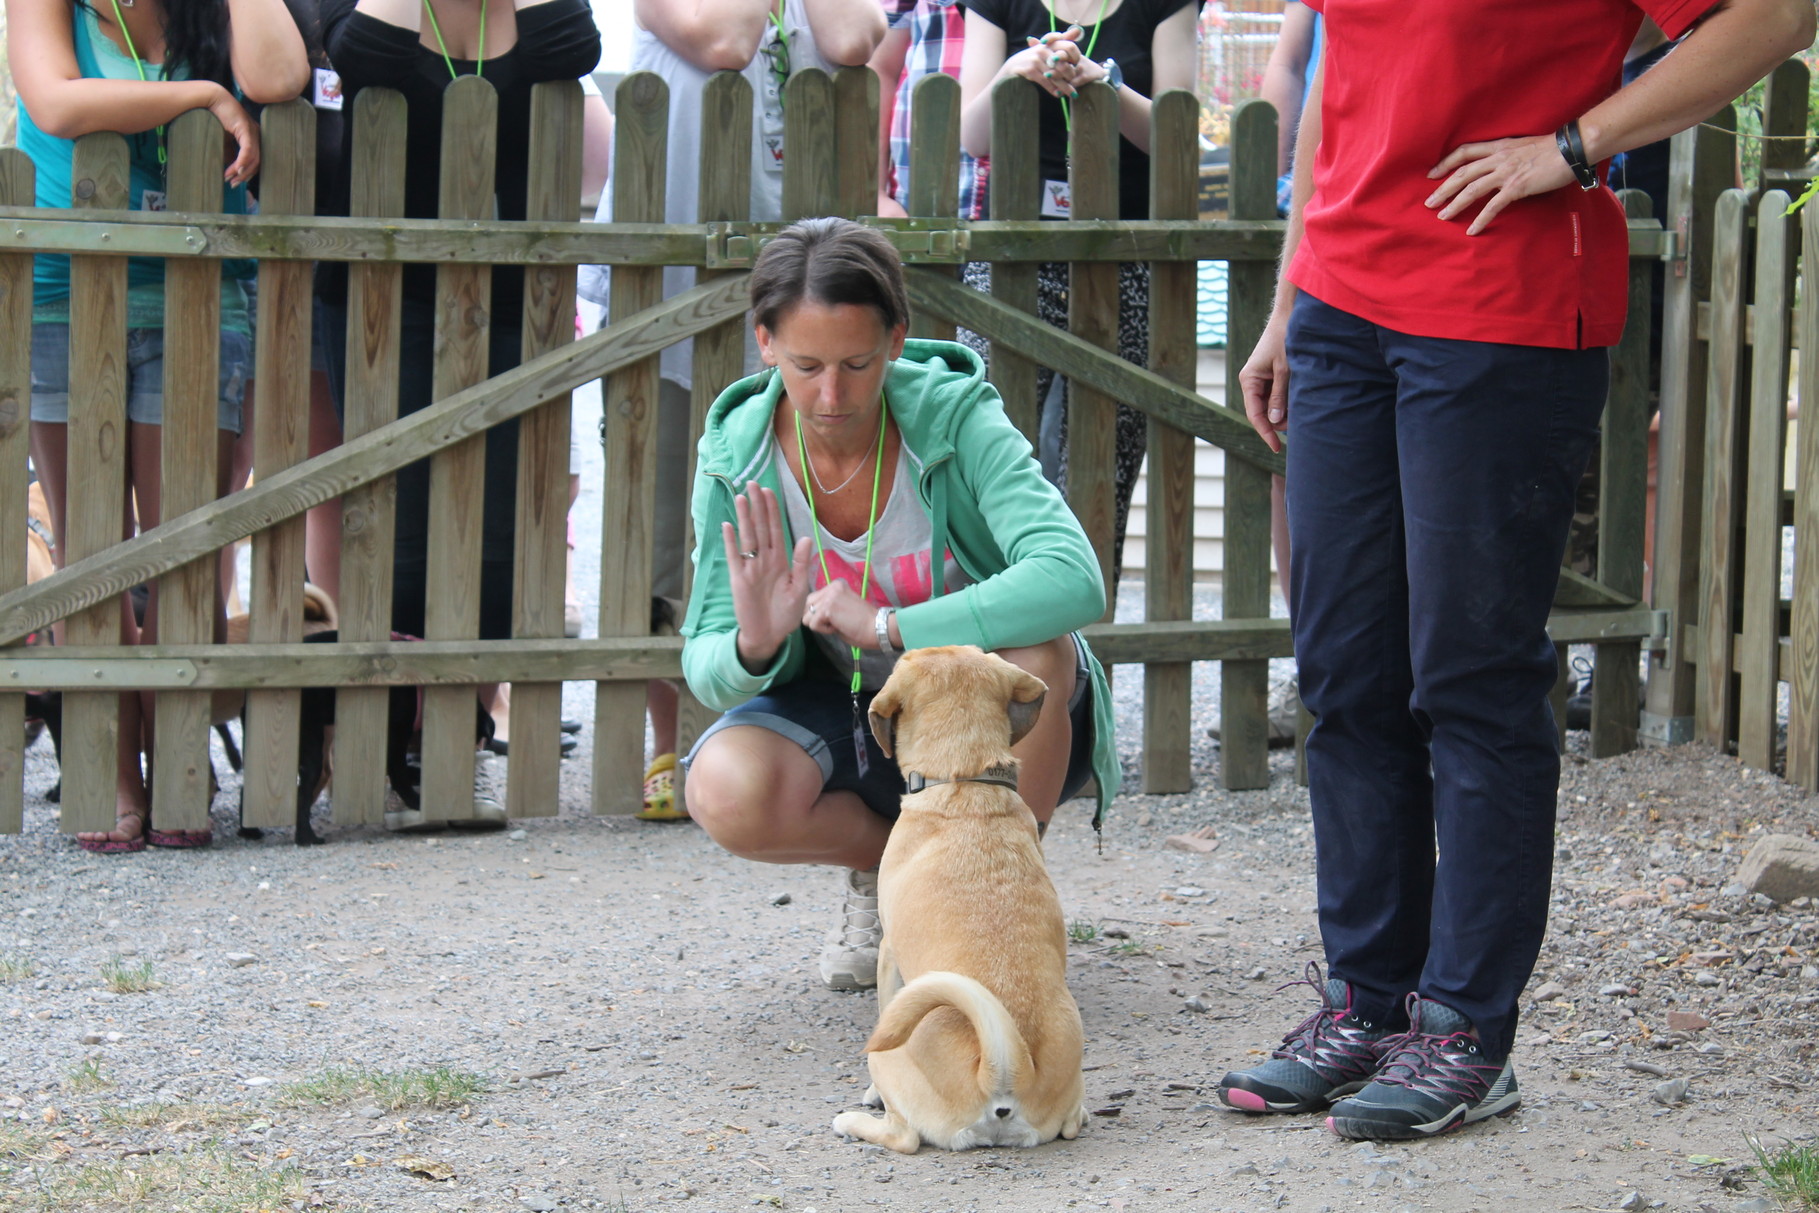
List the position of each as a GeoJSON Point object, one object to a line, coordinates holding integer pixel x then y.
{"type": "Point", "coordinates": [1133, 346]}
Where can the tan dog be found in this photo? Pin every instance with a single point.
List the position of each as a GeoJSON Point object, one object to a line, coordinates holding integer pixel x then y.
{"type": "Point", "coordinates": [978, 1040]}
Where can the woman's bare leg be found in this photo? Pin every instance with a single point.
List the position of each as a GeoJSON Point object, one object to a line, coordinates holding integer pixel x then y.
{"type": "Point", "coordinates": [1044, 750]}
{"type": "Point", "coordinates": [759, 795]}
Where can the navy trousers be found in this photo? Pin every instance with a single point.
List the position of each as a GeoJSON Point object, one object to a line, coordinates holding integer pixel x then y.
{"type": "Point", "coordinates": [1430, 484]}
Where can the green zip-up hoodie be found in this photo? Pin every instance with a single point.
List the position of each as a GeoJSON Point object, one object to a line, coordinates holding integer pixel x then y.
{"type": "Point", "coordinates": [1035, 576]}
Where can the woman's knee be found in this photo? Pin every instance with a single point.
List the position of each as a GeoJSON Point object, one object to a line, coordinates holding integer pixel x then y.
{"type": "Point", "coordinates": [743, 793]}
{"type": "Point", "coordinates": [1056, 662]}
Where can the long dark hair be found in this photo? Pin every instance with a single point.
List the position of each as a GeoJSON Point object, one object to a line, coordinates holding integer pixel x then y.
{"type": "Point", "coordinates": [196, 35]}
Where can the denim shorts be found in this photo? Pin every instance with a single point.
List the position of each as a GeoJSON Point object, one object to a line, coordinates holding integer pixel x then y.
{"type": "Point", "coordinates": [816, 712]}
{"type": "Point", "coordinates": [144, 376]}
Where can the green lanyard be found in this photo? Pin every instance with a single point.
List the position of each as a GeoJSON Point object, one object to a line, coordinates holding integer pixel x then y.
{"type": "Point", "coordinates": [436, 28]}
{"type": "Point", "coordinates": [871, 524]}
{"type": "Point", "coordinates": [140, 65]}
{"type": "Point", "coordinates": [1066, 113]}
{"type": "Point", "coordinates": [778, 51]}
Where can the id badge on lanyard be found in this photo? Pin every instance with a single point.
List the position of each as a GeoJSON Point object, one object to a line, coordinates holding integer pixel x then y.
{"type": "Point", "coordinates": [1057, 200]}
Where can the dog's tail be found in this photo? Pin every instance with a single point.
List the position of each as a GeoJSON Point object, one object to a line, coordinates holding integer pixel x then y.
{"type": "Point", "coordinates": [1004, 1057]}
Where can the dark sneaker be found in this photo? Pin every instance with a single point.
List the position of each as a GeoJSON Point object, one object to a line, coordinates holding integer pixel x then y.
{"type": "Point", "coordinates": [1434, 1078]}
{"type": "Point", "coordinates": [1325, 1057]}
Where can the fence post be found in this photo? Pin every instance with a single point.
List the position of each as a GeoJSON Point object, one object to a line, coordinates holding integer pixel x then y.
{"type": "Point", "coordinates": [540, 553]}
{"type": "Point", "coordinates": [640, 179]}
{"type": "Point", "coordinates": [1728, 371]}
{"type": "Point", "coordinates": [17, 188]}
{"type": "Point", "coordinates": [192, 354]}
{"type": "Point", "coordinates": [369, 513]}
{"type": "Point", "coordinates": [1785, 102]}
{"type": "Point", "coordinates": [811, 170]}
{"type": "Point", "coordinates": [726, 197]}
{"type": "Point", "coordinates": [1244, 685]}
{"type": "Point", "coordinates": [281, 405]}
{"type": "Point", "coordinates": [457, 483]}
{"type": "Point", "coordinates": [1092, 314]}
{"type": "Point", "coordinates": [1803, 714]}
{"type": "Point", "coordinates": [1759, 648]}
{"type": "Point", "coordinates": [1015, 193]}
{"type": "Point", "coordinates": [856, 139]}
{"type": "Point", "coordinates": [1703, 165]}
{"type": "Point", "coordinates": [1622, 505]}
{"type": "Point", "coordinates": [934, 184]}
{"type": "Point", "coordinates": [1169, 501]}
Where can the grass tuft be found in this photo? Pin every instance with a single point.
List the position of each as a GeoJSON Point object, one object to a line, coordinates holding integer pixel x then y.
{"type": "Point", "coordinates": [86, 1076]}
{"type": "Point", "coordinates": [1128, 947]}
{"type": "Point", "coordinates": [14, 967]}
{"type": "Point", "coordinates": [1790, 1172]}
{"type": "Point", "coordinates": [1082, 931]}
{"type": "Point", "coordinates": [176, 1117]}
{"type": "Point", "coordinates": [128, 977]}
{"type": "Point", "coordinates": [440, 1087]}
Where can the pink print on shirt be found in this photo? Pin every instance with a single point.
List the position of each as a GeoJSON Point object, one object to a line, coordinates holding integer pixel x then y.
{"type": "Point", "coordinates": [910, 576]}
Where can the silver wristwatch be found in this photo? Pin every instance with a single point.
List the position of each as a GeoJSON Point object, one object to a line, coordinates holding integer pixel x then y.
{"type": "Point", "coordinates": [882, 622]}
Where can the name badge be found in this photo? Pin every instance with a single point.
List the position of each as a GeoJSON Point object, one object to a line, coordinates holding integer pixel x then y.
{"type": "Point", "coordinates": [773, 152]}
{"type": "Point", "coordinates": [151, 200]}
{"type": "Point", "coordinates": [1057, 200]}
{"type": "Point", "coordinates": [325, 89]}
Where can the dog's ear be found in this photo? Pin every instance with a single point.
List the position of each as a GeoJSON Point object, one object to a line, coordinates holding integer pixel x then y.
{"type": "Point", "coordinates": [885, 706]}
{"type": "Point", "coordinates": [1027, 692]}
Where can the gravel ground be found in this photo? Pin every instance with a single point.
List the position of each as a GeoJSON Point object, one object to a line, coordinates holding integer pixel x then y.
{"type": "Point", "coordinates": [645, 1012]}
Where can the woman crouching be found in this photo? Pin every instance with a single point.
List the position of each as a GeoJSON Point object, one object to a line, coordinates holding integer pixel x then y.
{"type": "Point", "coordinates": [860, 455]}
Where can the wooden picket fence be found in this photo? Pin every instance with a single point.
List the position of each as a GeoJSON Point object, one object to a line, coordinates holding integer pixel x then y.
{"type": "Point", "coordinates": [830, 169]}
{"type": "Point", "coordinates": [1732, 324]}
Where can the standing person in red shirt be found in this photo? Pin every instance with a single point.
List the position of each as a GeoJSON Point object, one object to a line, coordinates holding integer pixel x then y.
{"type": "Point", "coordinates": [1453, 271]}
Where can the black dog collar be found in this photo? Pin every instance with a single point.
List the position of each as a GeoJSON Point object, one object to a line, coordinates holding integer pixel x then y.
{"type": "Point", "coordinates": [1005, 776]}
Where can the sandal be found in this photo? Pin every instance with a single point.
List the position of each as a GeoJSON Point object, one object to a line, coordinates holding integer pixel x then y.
{"type": "Point", "coordinates": [179, 840]}
{"type": "Point", "coordinates": [117, 846]}
{"type": "Point", "coordinates": [660, 791]}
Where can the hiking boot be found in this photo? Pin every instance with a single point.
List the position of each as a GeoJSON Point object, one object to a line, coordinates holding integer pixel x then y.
{"type": "Point", "coordinates": [1327, 1056]}
{"type": "Point", "coordinates": [1284, 716]}
{"type": "Point", "coordinates": [850, 959]}
{"type": "Point", "coordinates": [1434, 1078]}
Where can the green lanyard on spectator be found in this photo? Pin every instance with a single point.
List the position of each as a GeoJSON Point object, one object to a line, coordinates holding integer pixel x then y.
{"type": "Point", "coordinates": [435, 28]}
{"type": "Point", "coordinates": [1066, 113]}
{"type": "Point", "coordinates": [139, 64]}
{"type": "Point", "coordinates": [871, 524]}
{"type": "Point", "coordinates": [778, 51]}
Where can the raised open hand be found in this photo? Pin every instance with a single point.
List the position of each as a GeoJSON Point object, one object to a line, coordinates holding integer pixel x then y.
{"type": "Point", "coordinates": [770, 583]}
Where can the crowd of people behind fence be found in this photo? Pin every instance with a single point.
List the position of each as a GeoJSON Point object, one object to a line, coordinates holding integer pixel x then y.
{"type": "Point", "coordinates": [1453, 273]}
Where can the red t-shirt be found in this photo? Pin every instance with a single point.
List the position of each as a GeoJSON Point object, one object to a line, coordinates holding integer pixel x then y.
{"type": "Point", "coordinates": [1407, 81]}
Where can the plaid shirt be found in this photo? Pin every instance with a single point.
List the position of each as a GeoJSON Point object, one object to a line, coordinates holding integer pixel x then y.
{"type": "Point", "coordinates": [936, 31]}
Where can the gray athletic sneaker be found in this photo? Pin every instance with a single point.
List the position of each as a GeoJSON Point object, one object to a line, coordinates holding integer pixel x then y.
{"type": "Point", "coordinates": [850, 959]}
{"type": "Point", "coordinates": [1328, 1055]}
{"type": "Point", "coordinates": [1434, 1078]}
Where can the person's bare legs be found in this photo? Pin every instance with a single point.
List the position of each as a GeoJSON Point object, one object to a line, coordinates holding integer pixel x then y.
{"type": "Point", "coordinates": [50, 457]}
{"type": "Point", "coordinates": [660, 699]}
{"type": "Point", "coordinates": [322, 525]}
{"type": "Point", "coordinates": [759, 795]}
{"type": "Point", "coordinates": [1279, 530]}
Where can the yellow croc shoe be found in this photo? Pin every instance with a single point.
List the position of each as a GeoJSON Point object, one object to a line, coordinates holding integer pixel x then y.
{"type": "Point", "coordinates": [660, 791]}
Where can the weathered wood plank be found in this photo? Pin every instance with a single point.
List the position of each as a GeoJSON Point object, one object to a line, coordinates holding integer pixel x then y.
{"type": "Point", "coordinates": [1016, 194]}
{"type": "Point", "coordinates": [1084, 362]}
{"type": "Point", "coordinates": [934, 183]}
{"type": "Point", "coordinates": [1622, 508]}
{"type": "Point", "coordinates": [726, 194]}
{"type": "Point", "coordinates": [361, 460]}
{"type": "Point", "coordinates": [17, 188]}
{"type": "Point", "coordinates": [1092, 317]}
{"type": "Point", "coordinates": [281, 402]}
{"type": "Point", "coordinates": [369, 511]}
{"type": "Point", "coordinates": [1169, 505]}
{"type": "Point", "coordinates": [507, 242]}
{"type": "Point", "coordinates": [1759, 620]}
{"type": "Point", "coordinates": [640, 160]}
{"type": "Point", "coordinates": [1785, 117]}
{"type": "Point", "coordinates": [1244, 686]}
{"type": "Point", "coordinates": [1702, 167]}
{"type": "Point", "coordinates": [457, 493]}
{"type": "Point", "coordinates": [1803, 628]}
{"type": "Point", "coordinates": [1727, 375]}
{"type": "Point", "coordinates": [97, 462]}
{"type": "Point", "coordinates": [811, 176]}
{"type": "Point", "coordinates": [856, 140]}
{"type": "Point", "coordinates": [541, 551]}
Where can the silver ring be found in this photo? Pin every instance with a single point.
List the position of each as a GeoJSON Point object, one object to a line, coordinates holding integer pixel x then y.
{"type": "Point", "coordinates": [749, 555]}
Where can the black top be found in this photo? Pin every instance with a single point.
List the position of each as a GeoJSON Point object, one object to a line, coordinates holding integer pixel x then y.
{"type": "Point", "coordinates": [1125, 35]}
{"type": "Point", "coordinates": [556, 41]}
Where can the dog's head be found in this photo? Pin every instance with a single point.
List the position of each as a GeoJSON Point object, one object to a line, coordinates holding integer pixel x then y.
{"type": "Point", "coordinates": [954, 710]}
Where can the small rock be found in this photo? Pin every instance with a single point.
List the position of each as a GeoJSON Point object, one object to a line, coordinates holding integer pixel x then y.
{"type": "Point", "coordinates": [1632, 1203]}
{"type": "Point", "coordinates": [538, 1203]}
{"type": "Point", "coordinates": [92, 1038]}
{"type": "Point", "coordinates": [1143, 819]}
{"type": "Point", "coordinates": [370, 1112]}
{"type": "Point", "coordinates": [1707, 979]}
{"type": "Point", "coordinates": [256, 1082]}
{"type": "Point", "coordinates": [1245, 1169]}
{"type": "Point", "coordinates": [1188, 890]}
{"type": "Point", "coordinates": [518, 835]}
{"type": "Point", "coordinates": [1671, 1092]}
{"type": "Point", "coordinates": [1753, 1204]}
{"type": "Point", "coordinates": [1732, 890]}
{"type": "Point", "coordinates": [1115, 933]}
{"type": "Point", "coordinates": [1549, 991]}
{"type": "Point", "coordinates": [780, 899]}
{"type": "Point", "coordinates": [1257, 974]}
{"type": "Point", "coordinates": [1616, 990]}
{"type": "Point", "coordinates": [1781, 867]}
{"type": "Point", "coordinates": [239, 960]}
{"type": "Point", "coordinates": [1379, 1179]}
{"type": "Point", "coordinates": [1198, 1004]}
{"type": "Point", "coordinates": [1687, 1021]}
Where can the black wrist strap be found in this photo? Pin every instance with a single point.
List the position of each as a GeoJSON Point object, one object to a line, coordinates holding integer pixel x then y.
{"type": "Point", "coordinates": [1572, 150]}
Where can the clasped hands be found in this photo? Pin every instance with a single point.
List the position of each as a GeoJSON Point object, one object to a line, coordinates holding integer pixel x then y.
{"type": "Point", "coordinates": [773, 589]}
{"type": "Point", "coordinates": [1056, 62]}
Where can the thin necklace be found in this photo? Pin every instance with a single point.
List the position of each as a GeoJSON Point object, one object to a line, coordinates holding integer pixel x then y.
{"type": "Point", "coordinates": [436, 28]}
{"type": "Point", "coordinates": [871, 526]}
{"type": "Point", "coordinates": [857, 467]}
